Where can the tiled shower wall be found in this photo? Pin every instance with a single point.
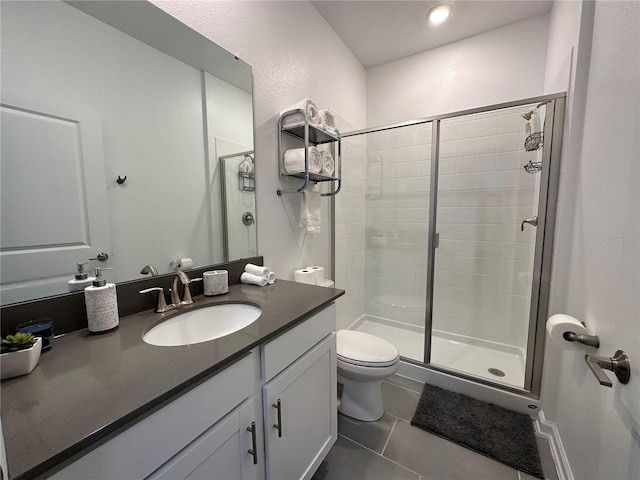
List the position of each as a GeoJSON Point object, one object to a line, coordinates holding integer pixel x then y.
{"type": "Point", "coordinates": [350, 228]}
{"type": "Point", "coordinates": [398, 167]}
{"type": "Point", "coordinates": [483, 262]}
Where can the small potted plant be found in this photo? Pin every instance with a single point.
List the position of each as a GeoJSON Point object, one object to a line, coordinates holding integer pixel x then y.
{"type": "Point", "coordinates": [20, 354]}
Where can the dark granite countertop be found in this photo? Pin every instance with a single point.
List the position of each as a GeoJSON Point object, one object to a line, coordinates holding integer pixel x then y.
{"type": "Point", "coordinates": [89, 387]}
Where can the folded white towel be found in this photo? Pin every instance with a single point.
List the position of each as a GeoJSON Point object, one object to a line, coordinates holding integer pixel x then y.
{"type": "Point", "coordinates": [311, 113]}
{"type": "Point", "coordinates": [328, 120]}
{"type": "Point", "coordinates": [294, 160]}
{"type": "Point", "coordinates": [328, 164]}
{"type": "Point", "coordinates": [310, 212]}
{"type": "Point", "coordinates": [252, 279]}
{"type": "Point", "coordinates": [256, 270]}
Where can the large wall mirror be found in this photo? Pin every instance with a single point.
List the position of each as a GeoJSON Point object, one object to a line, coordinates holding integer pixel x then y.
{"type": "Point", "coordinates": [116, 119]}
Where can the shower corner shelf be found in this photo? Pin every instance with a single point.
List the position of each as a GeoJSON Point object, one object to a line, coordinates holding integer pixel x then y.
{"type": "Point", "coordinates": [534, 142]}
{"type": "Point", "coordinates": [311, 135]}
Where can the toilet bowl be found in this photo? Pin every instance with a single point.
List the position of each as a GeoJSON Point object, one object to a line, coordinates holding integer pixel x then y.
{"type": "Point", "coordinates": [363, 361]}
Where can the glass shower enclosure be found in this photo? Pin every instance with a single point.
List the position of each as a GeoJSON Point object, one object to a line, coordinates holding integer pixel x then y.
{"type": "Point", "coordinates": [458, 235]}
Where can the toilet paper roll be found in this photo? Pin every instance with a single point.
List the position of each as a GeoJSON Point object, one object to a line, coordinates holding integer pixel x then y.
{"type": "Point", "coordinates": [318, 272]}
{"type": "Point", "coordinates": [305, 275]}
{"type": "Point", "coordinates": [185, 263]}
{"type": "Point", "coordinates": [560, 323]}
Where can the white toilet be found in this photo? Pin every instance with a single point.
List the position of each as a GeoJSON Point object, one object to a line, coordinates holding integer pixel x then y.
{"type": "Point", "coordinates": [363, 361]}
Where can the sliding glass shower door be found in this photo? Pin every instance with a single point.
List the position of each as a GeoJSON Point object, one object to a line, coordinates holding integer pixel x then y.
{"type": "Point", "coordinates": [398, 165]}
{"type": "Point", "coordinates": [458, 213]}
{"type": "Point", "coordinates": [486, 217]}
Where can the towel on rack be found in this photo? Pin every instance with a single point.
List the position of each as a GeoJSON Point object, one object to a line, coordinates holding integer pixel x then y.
{"type": "Point", "coordinates": [328, 121]}
{"type": "Point", "coordinates": [328, 163]}
{"type": "Point", "coordinates": [312, 114]}
{"type": "Point", "coordinates": [310, 212]}
{"type": "Point", "coordinates": [294, 160]}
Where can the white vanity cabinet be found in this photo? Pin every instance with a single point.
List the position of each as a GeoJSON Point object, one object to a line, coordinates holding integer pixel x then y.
{"type": "Point", "coordinates": [224, 427]}
{"type": "Point", "coordinates": [300, 400]}
{"type": "Point", "coordinates": [228, 450]}
{"type": "Point", "coordinates": [177, 429]}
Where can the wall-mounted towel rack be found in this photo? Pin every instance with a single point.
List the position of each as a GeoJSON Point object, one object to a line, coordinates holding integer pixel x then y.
{"type": "Point", "coordinates": [311, 135]}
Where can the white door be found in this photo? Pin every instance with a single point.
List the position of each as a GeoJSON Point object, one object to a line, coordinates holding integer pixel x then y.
{"type": "Point", "coordinates": [300, 414]}
{"type": "Point", "coordinates": [53, 191]}
{"type": "Point", "coordinates": [229, 450]}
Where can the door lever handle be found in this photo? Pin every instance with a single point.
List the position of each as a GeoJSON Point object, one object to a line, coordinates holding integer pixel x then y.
{"type": "Point", "coordinates": [531, 221]}
{"type": "Point", "coordinates": [618, 364]}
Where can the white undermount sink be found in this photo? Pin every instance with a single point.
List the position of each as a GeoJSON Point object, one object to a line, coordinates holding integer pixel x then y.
{"type": "Point", "coordinates": [202, 325]}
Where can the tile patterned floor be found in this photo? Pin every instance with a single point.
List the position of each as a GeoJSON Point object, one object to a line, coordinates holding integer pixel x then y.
{"type": "Point", "coordinates": [392, 449]}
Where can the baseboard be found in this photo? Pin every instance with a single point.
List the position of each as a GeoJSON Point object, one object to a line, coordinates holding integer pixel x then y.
{"type": "Point", "coordinates": [547, 429]}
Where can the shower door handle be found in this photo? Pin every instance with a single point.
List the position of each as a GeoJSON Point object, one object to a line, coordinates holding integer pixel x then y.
{"type": "Point", "coordinates": [531, 221]}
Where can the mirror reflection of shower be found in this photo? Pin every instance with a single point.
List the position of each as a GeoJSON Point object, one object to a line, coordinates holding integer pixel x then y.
{"type": "Point", "coordinates": [247, 174]}
{"type": "Point", "coordinates": [237, 177]}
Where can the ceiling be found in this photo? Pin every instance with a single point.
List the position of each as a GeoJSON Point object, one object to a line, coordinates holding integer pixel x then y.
{"type": "Point", "coordinates": [378, 32]}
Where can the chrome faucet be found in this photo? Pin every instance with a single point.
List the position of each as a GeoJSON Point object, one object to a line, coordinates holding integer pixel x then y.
{"type": "Point", "coordinates": [175, 296]}
{"type": "Point", "coordinates": [186, 297]}
{"type": "Point", "coordinates": [149, 269]}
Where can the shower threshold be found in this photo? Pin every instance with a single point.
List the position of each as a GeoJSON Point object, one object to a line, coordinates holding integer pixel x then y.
{"type": "Point", "coordinates": [496, 362]}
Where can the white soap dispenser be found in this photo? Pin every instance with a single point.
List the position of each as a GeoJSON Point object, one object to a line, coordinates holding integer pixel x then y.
{"type": "Point", "coordinates": [102, 305]}
{"type": "Point", "coordinates": [82, 279]}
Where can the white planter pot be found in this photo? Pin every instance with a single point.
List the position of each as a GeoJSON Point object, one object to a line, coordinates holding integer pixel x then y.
{"type": "Point", "coordinates": [13, 364]}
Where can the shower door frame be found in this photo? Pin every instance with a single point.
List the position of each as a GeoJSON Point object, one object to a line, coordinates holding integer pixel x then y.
{"type": "Point", "coordinates": [548, 194]}
{"type": "Point", "coordinates": [540, 289]}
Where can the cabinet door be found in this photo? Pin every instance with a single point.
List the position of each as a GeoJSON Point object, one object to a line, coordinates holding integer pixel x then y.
{"type": "Point", "coordinates": [222, 452]}
{"type": "Point", "coordinates": [298, 439]}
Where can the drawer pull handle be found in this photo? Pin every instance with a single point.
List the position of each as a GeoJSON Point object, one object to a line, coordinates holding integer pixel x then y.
{"type": "Point", "coordinates": [278, 426]}
{"type": "Point", "coordinates": [254, 446]}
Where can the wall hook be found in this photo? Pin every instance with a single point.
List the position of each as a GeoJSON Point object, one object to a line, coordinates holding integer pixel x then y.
{"type": "Point", "coordinates": [121, 180]}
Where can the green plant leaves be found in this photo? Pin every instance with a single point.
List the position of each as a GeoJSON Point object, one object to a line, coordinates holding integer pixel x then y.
{"type": "Point", "coordinates": [19, 341]}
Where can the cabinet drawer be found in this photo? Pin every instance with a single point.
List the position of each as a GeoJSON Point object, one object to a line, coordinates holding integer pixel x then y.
{"type": "Point", "coordinates": [284, 350]}
{"type": "Point", "coordinates": [142, 448]}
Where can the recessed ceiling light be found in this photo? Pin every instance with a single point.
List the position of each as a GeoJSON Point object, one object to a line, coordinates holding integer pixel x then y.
{"type": "Point", "coordinates": [439, 13]}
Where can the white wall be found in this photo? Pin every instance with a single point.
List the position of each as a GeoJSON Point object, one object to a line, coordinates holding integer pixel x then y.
{"type": "Point", "coordinates": [596, 273]}
{"type": "Point", "coordinates": [498, 66]}
{"type": "Point", "coordinates": [294, 54]}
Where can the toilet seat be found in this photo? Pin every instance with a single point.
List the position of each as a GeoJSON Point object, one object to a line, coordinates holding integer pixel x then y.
{"type": "Point", "coordinates": [366, 350]}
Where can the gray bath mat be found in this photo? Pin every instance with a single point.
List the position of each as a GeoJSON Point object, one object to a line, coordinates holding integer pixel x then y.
{"type": "Point", "coordinates": [496, 432]}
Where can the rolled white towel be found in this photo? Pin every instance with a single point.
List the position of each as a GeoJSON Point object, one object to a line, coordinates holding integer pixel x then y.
{"type": "Point", "coordinates": [271, 278]}
{"type": "Point", "coordinates": [328, 120]}
{"type": "Point", "coordinates": [257, 270]}
{"type": "Point", "coordinates": [312, 114]}
{"type": "Point", "coordinates": [294, 160]}
{"type": "Point", "coordinates": [251, 279]}
{"type": "Point", "coordinates": [328, 164]}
